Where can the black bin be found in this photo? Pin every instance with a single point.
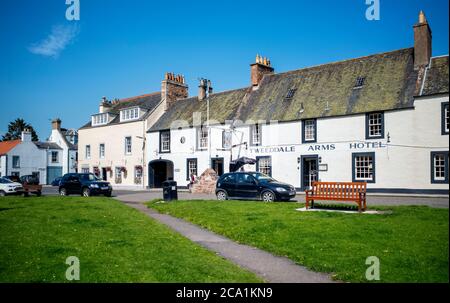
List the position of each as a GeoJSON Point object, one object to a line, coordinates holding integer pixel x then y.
{"type": "Point", "coordinates": [170, 191]}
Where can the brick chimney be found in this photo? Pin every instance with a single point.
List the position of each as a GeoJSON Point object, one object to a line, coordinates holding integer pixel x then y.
{"type": "Point", "coordinates": [173, 88]}
{"type": "Point", "coordinates": [105, 106]}
{"type": "Point", "coordinates": [422, 42]}
{"type": "Point", "coordinates": [260, 68]}
{"type": "Point", "coordinates": [203, 88]}
{"type": "Point", "coordinates": [56, 124]}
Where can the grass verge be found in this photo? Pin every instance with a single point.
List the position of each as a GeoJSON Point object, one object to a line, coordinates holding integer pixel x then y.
{"type": "Point", "coordinates": [411, 242]}
{"type": "Point", "coordinates": [113, 242]}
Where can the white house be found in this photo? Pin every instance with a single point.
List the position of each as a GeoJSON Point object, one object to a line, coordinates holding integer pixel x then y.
{"type": "Point", "coordinates": [64, 160]}
{"type": "Point", "coordinates": [23, 157]}
{"type": "Point", "coordinates": [47, 160]}
{"type": "Point", "coordinates": [382, 119]}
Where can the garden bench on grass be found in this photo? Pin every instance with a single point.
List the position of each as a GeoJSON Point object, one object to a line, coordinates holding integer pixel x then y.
{"type": "Point", "coordinates": [338, 191]}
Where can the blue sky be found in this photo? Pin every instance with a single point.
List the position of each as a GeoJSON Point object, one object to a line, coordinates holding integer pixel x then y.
{"type": "Point", "coordinates": [51, 67]}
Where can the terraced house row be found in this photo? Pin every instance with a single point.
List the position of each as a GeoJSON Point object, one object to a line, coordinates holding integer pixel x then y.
{"type": "Point", "coordinates": [383, 119]}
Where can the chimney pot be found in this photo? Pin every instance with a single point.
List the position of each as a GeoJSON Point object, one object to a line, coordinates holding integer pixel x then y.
{"type": "Point", "coordinates": [259, 69]}
{"type": "Point", "coordinates": [173, 88]}
{"type": "Point", "coordinates": [26, 135]}
{"type": "Point", "coordinates": [56, 124]}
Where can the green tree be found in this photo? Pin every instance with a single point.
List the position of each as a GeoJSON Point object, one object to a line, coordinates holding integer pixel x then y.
{"type": "Point", "coordinates": [15, 129]}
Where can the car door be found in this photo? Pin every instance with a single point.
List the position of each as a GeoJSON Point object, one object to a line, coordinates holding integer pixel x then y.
{"type": "Point", "coordinates": [228, 184]}
{"type": "Point", "coordinates": [246, 186]}
{"type": "Point", "coordinates": [74, 185]}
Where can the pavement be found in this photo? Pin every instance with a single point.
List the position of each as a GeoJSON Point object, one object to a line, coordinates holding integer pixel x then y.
{"type": "Point", "coordinates": [267, 266]}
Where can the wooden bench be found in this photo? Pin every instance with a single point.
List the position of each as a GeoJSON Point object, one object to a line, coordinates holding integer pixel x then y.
{"type": "Point", "coordinates": [338, 191]}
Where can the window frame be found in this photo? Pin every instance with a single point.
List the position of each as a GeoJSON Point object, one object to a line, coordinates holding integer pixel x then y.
{"type": "Point", "coordinates": [359, 82]}
{"type": "Point", "coordinates": [364, 154]}
{"type": "Point", "coordinates": [57, 156]}
{"type": "Point", "coordinates": [433, 168]}
{"type": "Point", "coordinates": [99, 119]}
{"type": "Point", "coordinates": [304, 131]}
{"type": "Point", "coordinates": [444, 107]}
{"type": "Point", "coordinates": [188, 175]}
{"type": "Point", "coordinates": [252, 131]}
{"type": "Point", "coordinates": [100, 150]}
{"type": "Point", "coordinates": [128, 153]}
{"type": "Point", "coordinates": [381, 136]}
{"type": "Point", "coordinates": [224, 133]}
{"type": "Point", "coordinates": [130, 114]}
{"type": "Point", "coordinates": [258, 158]}
{"type": "Point", "coordinates": [161, 143]}
{"type": "Point", "coordinates": [87, 155]}
{"type": "Point", "coordinates": [199, 137]}
{"type": "Point", "coordinates": [17, 163]}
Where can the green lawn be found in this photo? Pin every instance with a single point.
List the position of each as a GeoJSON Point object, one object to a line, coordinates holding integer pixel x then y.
{"type": "Point", "coordinates": [411, 242]}
{"type": "Point", "coordinates": [113, 242]}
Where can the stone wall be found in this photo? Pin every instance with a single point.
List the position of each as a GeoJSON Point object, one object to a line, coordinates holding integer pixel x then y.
{"type": "Point", "coordinates": [206, 183]}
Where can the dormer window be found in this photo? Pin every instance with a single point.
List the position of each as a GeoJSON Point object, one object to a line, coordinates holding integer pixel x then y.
{"type": "Point", "coordinates": [100, 119]}
{"type": "Point", "coordinates": [129, 114]}
{"type": "Point", "coordinates": [359, 83]}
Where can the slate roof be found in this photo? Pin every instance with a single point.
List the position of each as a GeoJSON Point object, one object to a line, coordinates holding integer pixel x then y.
{"type": "Point", "coordinates": [6, 146]}
{"type": "Point", "coordinates": [436, 79]}
{"type": "Point", "coordinates": [321, 91]}
{"type": "Point", "coordinates": [223, 106]}
{"type": "Point", "coordinates": [47, 145]}
{"type": "Point", "coordinates": [147, 102]}
{"type": "Point", "coordinates": [69, 132]}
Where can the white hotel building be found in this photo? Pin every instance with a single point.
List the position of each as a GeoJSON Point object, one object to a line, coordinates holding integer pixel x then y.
{"type": "Point", "coordinates": [383, 119]}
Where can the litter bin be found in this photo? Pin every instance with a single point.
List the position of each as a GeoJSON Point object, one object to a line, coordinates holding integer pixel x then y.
{"type": "Point", "coordinates": [170, 191]}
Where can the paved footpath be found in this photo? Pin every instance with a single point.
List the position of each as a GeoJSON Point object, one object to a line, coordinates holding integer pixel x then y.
{"type": "Point", "coordinates": [439, 202]}
{"type": "Point", "coordinates": [269, 267]}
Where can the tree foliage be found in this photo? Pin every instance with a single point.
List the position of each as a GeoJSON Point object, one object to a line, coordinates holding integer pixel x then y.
{"type": "Point", "coordinates": [15, 129]}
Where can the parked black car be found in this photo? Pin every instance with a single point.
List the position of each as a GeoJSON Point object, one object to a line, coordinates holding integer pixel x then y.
{"type": "Point", "coordinates": [56, 181]}
{"type": "Point", "coordinates": [85, 184]}
{"type": "Point", "coordinates": [252, 185]}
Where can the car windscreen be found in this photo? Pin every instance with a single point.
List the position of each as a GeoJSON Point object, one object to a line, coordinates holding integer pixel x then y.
{"type": "Point", "coordinates": [262, 177]}
{"type": "Point", "coordinates": [89, 177]}
{"type": "Point", "coordinates": [5, 181]}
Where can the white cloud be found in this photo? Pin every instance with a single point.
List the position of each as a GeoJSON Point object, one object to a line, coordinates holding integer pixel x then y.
{"type": "Point", "coordinates": [56, 41]}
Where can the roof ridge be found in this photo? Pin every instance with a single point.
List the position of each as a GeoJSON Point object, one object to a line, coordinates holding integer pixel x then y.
{"type": "Point", "coordinates": [440, 56]}
{"type": "Point", "coordinates": [137, 97]}
{"type": "Point", "coordinates": [339, 62]}
{"type": "Point", "coordinates": [219, 93]}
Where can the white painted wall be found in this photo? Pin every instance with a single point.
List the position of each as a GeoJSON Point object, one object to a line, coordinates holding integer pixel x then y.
{"type": "Point", "coordinates": [32, 159]}
{"type": "Point", "coordinates": [68, 157]}
{"type": "Point", "coordinates": [404, 163]}
{"type": "Point", "coordinates": [2, 165]}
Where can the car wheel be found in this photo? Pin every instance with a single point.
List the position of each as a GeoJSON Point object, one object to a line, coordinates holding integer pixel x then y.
{"type": "Point", "coordinates": [268, 196]}
{"type": "Point", "coordinates": [221, 195]}
{"type": "Point", "coordinates": [63, 192]}
{"type": "Point", "coordinates": [108, 194]}
{"type": "Point", "coordinates": [86, 192]}
{"type": "Point", "coordinates": [2, 193]}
